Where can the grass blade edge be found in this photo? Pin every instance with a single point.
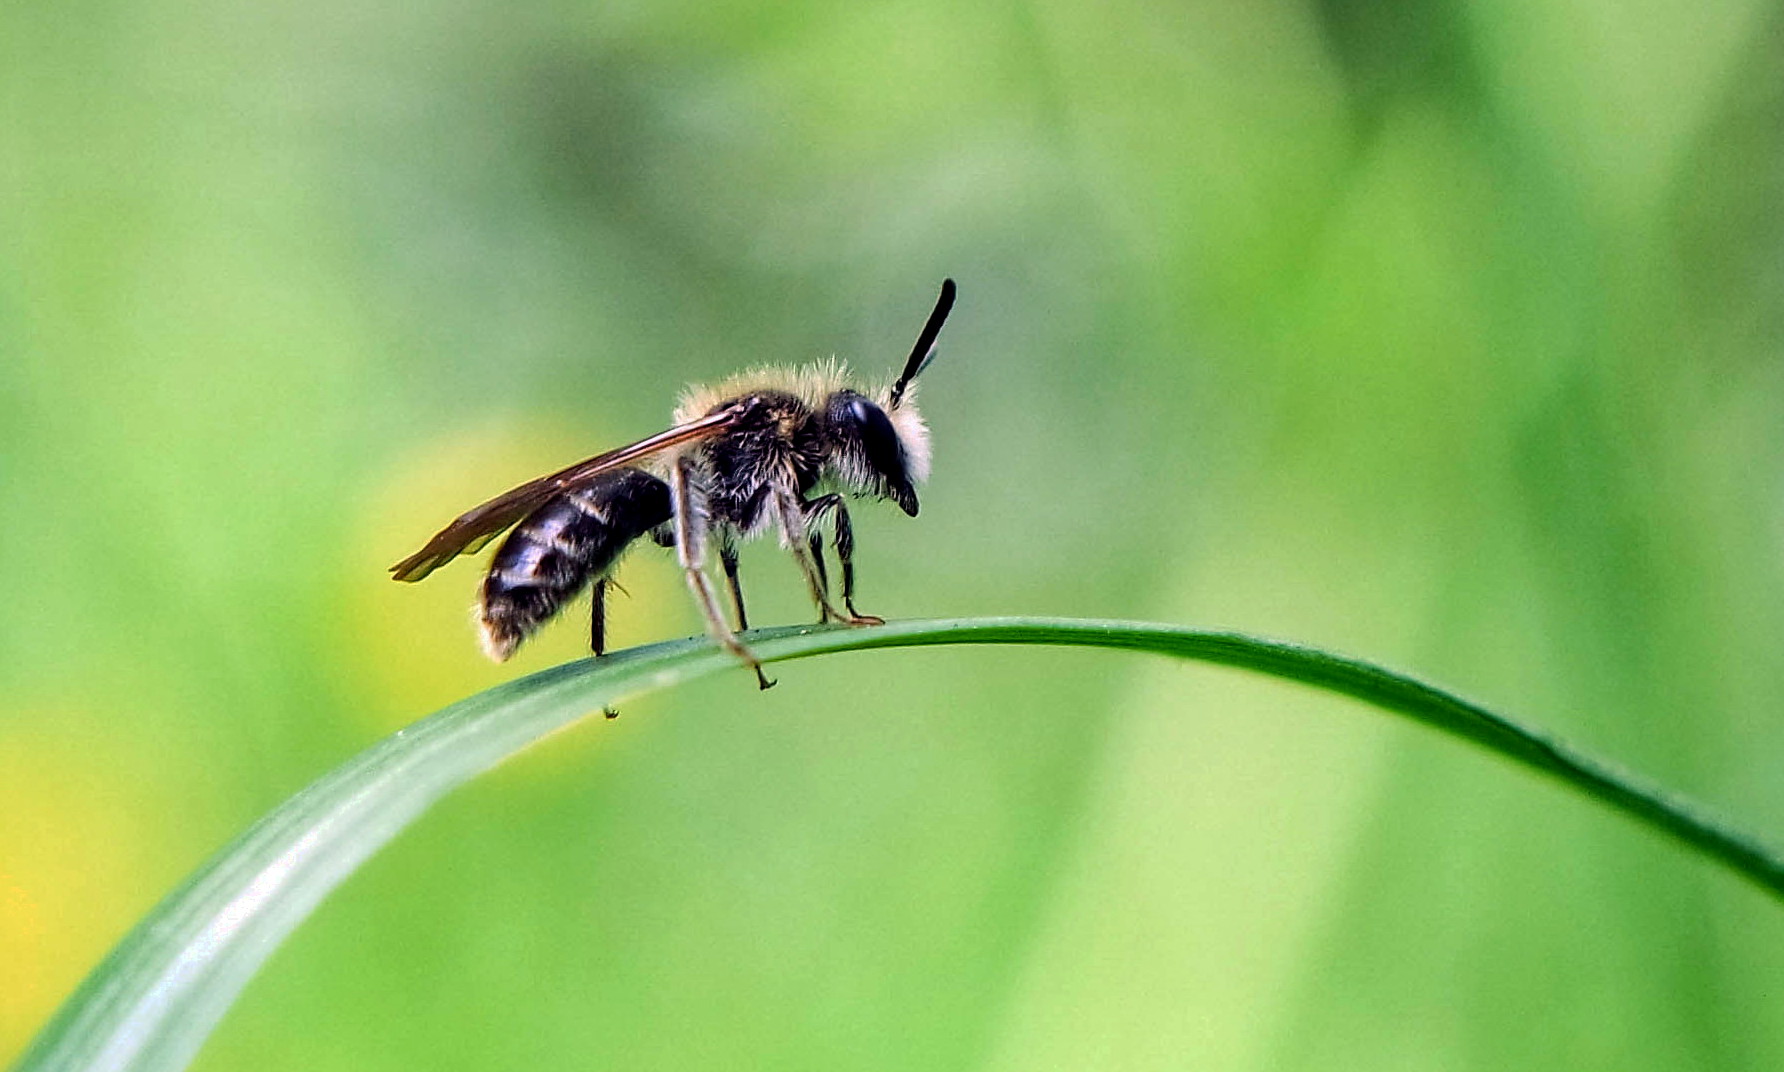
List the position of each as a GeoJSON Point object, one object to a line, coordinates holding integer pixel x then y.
{"type": "Point", "coordinates": [151, 1003]}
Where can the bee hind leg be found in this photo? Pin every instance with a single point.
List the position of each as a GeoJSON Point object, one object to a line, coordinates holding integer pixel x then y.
{"type": "Point", "coordinates": [597, 632]}
{"type": "Point", "coordinates": [690, 551]}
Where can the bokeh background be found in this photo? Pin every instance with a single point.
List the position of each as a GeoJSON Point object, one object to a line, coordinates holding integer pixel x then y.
{"type": "Point", "coordinates": [1445, 333]}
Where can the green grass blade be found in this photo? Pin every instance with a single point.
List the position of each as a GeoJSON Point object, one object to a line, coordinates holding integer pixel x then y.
{"type": "Point", "coordinates": [153, 1001]}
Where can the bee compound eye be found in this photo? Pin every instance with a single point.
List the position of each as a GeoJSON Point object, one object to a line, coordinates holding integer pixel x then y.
{"type": "Point", "coordinates": [866, 428]}
{"type": "Point", "coordinates": [879, 440]}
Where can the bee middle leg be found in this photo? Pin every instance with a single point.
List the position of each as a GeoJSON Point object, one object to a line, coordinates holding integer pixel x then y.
{"type": "Point", "coordinates": [843, 538]}
{"type": "Point", "coordinates": [690, 550]}
{"type": "Point", "coordinates": [802, 544]}
{"type": "Point", "coordinates": [728, 559]}
{"type": "Point", "coordinates": [816, 542]}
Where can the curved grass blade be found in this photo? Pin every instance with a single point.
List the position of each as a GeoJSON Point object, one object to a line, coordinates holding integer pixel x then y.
{"type": "Point", "coordinates": [151, 1003]}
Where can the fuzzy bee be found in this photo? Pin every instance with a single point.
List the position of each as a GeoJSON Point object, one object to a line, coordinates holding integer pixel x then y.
{"type": "Point", "coordinates": [768, 451]}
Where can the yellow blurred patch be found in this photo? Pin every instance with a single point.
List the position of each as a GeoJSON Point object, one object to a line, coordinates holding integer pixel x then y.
{"type": "Point", "coordinates": [413, 646]}
{"type": "Point", "coordinates": [79, 861]}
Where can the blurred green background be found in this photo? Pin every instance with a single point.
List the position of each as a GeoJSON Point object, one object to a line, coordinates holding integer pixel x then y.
{"type": "Point", "coordinates": [1443, 333]}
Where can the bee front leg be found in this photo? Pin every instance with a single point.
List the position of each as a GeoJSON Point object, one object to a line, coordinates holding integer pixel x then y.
{"type": "Point", "coordinates": [843, 538]}
{"type": "Point", "coordinates": [690, 550]}
{"type": "Point", "coordinates": [844, 534]}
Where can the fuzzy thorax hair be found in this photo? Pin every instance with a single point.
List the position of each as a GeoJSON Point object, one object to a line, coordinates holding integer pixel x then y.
{"type": "Point", "coordinates": [813, 384]}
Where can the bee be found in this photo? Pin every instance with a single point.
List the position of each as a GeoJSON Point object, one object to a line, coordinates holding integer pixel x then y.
{"type": "Point", "coordinates": [773, 450]}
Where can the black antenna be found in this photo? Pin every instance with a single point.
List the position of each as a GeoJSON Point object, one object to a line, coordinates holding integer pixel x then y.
{"type": "Point", "coordinates": [924, 351]}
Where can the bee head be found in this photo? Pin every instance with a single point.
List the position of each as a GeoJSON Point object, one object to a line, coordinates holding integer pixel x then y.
{"type": "Point", "coordinates": [874, 451]}
{"type": "Point", "coordinates": [882, 447]}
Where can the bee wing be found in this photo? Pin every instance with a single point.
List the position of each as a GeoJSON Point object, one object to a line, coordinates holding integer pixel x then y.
{"type": "Point", "coordinates": [481, 524]}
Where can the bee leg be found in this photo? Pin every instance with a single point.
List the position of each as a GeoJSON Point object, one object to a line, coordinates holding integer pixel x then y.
{"type": "Point", "coordinates": [816, 542]}
{"type": "Point", "coordinates": [845, 553]}
{"type": "Point", "coordinates": [793, 514]}
{"type": "Point", "coordinates": [843, 537]}
{"type": "Point", "coordinates": [597, 632]}
{"type": "Point", "coordinates": [690, 550]}
{"type": "Point", "coordinates": [728, 559]}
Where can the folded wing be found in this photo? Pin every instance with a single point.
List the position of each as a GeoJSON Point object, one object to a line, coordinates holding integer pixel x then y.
{"type": "Point", "coordinates": [481, 524]}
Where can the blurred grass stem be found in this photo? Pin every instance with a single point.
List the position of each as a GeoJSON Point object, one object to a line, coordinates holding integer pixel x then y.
{"type": "Point", "coordinates": [153, 1001]}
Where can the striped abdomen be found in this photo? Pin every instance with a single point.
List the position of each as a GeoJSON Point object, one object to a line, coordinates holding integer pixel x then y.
{"type": "Point", "coordinates": [552, 554]}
